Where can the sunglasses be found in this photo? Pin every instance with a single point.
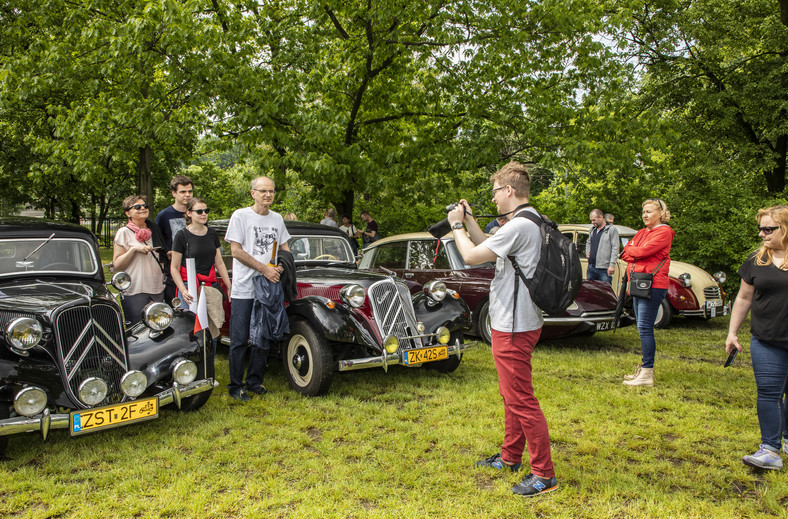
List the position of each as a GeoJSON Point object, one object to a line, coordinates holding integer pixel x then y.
{"type": "Point", "coordinates": [139, 206]}
{"type": "Point", "coordinates": [659, 202]}
{"type": "Point", "coordinates": [201, 211]}
{"type": "Point", "coordinates": [767, 230]}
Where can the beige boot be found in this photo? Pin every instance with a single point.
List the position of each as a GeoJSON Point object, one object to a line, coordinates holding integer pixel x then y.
{"type": "Point", "coordinates": [635, 375]}
{"type": "Point", "coordinates": [645, 377]}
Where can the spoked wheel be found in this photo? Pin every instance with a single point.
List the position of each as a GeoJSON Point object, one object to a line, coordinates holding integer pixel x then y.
{"type": "Point", "coordinates": [307, 360]}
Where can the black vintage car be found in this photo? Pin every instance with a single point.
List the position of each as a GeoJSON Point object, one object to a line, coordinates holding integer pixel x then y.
{"type": "Point", "coordinates": [344, 319]}
{"type": "Point", "coordinates": [66, 359]}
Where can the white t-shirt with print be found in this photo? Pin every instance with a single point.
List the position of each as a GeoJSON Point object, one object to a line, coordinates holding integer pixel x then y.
{"type": "Point", "coordinates": [256, 234]}
{"type": "Point", "coordinates": [521, 238]}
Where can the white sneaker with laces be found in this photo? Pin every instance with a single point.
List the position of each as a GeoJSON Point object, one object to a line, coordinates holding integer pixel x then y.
{"type": "Point", "coordinates": [764, 459]}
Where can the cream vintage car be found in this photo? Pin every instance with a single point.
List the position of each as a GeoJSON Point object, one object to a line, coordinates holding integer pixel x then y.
{"type": "Point", "coordinates": [692, 292]}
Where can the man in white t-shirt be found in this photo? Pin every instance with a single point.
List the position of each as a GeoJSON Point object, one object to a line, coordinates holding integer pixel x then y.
{"type": "Point", "coordinates": [514, 333]}
{"type": "Point", "coordinates": [251, 233]}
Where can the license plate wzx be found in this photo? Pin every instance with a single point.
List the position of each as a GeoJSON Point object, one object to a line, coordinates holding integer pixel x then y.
{"type": "Point", "coordinates": [116, 415]}
{"type": "Point", "coordinates": [604, 325]}
{"type": "Point", "coordinates": [426, 355]}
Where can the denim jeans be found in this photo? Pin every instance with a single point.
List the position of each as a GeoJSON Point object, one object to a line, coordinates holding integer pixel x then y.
{"type": "Point", "coordinates": [646, 314]}
{"type": "Point", "coordinates": [239, 345]}
{"type": "Point", "coordinates": [770, 365]}
{"type": "Point", "coordinates": [595, 274]}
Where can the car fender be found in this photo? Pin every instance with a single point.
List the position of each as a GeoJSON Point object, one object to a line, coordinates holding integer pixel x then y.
{"type": "Point", "coordinates": [452, 313]}
{"type": "Point", "coordinates": [337, 324]}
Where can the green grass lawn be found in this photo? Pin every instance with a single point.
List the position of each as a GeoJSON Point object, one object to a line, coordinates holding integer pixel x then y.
{"type": "Point", "coordinates": [403, 444]}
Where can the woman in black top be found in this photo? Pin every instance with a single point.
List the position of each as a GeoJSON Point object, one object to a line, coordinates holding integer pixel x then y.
{"type": "Point", "coordinates": [201, 243]}
{"type": "Point", "coordinates": [764, 289]}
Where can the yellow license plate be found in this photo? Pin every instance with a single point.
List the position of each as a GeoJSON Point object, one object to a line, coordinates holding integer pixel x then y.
{"type": "Point", "coordinates": [90, 420]}
{"type": "Point", "coordinates": [426, 355]}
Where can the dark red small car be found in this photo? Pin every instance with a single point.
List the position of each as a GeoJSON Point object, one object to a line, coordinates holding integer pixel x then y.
{"type": "Point", "coordinates": [420, 258]}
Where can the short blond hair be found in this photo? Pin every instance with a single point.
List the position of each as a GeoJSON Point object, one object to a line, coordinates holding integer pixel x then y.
{"type": "Point", "coordinates": [515, 175]}
{"type": "Point", "coordinates": [660, 204]}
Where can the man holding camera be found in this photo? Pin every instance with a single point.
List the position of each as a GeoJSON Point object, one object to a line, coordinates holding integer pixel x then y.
{"type": "Point", "coordinates": [514, 334]}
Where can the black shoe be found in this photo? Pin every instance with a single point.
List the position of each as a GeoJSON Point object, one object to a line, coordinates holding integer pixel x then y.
{"type": "Point", "coordinates": [496, 462]}
{"type": "Point", "coordinates": [240, 395]}
{"type": "Point", "coordinates": [533, 485]}
{"type": "Point", "coordinates": [259, 390]}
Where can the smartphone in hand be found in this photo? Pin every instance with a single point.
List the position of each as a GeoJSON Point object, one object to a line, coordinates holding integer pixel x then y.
{"type": "Point", "coordinates": [731, 357]}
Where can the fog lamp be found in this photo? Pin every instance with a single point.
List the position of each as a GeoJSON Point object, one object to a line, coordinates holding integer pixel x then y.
{"type": "Point", "coordinates": [420, 327]}
{"type": "Point", "coordinates": [435, 290]}
{"type": "Point", "coordinates": [391, 344]}
{"type": "Point", "coordinates": [30, 401]}
{"type": "Point", "coordinates": [23, 333]}
{"type": "Point", "coordinates": [92, 391]}
{"type": "Point", "coordinates": [444, 335]}
{"type": "Point", "coordinates": [121, 281]}
{"type": "Point", "coordinates": [134, 383]}
{"type": "Point", "coordinates": [184, 372]}
{"type": "Point", "coordinates": [686, 280]}
{"type": "Point", "coordinates": [157, 316]}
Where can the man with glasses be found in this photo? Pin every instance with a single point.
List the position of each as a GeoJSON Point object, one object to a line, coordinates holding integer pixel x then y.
{"type": "Point", "coordinates": [252, 233]}
{"type": "Point", "coordinates": [171, 220]}
{"type": "Point", "coordinates": [601, 248]}
{"type": "Point", "coordinates": [514, 333]}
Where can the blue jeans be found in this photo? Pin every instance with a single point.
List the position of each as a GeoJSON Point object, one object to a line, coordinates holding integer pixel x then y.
{"type": "Point", "coordinates": [770, 365]}
{"type": "Point", "coordinates": [239, 344]}
{"type": "Point", "coordinates": [646, 314]}
{"type": "Point", "coordinates": [595, 274]}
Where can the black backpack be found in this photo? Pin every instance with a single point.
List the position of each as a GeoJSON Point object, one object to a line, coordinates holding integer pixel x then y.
{"type": "Point", "coordinates": [558, 274]}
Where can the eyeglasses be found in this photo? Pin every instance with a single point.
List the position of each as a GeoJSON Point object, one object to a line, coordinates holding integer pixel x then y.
{"type": "Point", "coordinates": [497, 189]}
{"type": "Point", "coordinates": [767, 230]}
{"type": "Point", "coordinates": [264, 191]}
{"type": "Point", "coordinates": [138, 207]}
{"type": "Point", "coordinates": [201, 211]}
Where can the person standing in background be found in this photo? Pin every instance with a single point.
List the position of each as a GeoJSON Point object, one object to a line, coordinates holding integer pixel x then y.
{"type": "Point", "coordinates": [171, 220]}
{"type": "Point", "coordinates": [601, 249]}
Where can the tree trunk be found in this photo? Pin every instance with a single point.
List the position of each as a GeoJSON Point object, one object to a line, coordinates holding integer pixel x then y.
{"type": "Point", "coordinates": [775, 179]}
{"type": "Point", "coordinates": [345, 208]}
{"type": "Point", "coordinates": [144, 184]}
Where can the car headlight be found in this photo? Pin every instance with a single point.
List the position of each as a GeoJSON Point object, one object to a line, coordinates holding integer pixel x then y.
{"type": "Point", "coordinates": [443, 334]}
{"type": "Point", "coordinates": [121, 281]}
{"type": "Point", "coordinates": [686, 280]}
{"type": "Point", "coordinates": [720, 277]}
{"type": "Point", "coordinates": [391, 344]}
{"type": "Point", "coordinates": [157, 316]}
{"type": "Point", "coordinates": [435, 290]}
{"type": "Point", "coordinates": [92, 391]}
{"type": "Point", "coordinates": [30, 401]}
{"type": "Point", "coordinates": [353, 295]}
{"type": "Point", "coordinates": [184, 372]}
{"type": "Point", "coordinates": [134, 383]}
{"type": "Point", "coordinates": [23, 333]}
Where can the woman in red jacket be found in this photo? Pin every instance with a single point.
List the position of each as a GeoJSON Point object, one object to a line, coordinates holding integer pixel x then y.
{"type": "Point", "coordinates": [649, 251]}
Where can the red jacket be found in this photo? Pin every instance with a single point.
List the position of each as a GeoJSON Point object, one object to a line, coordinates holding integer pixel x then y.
{"type": "Point", "coordinates": [646, 249]}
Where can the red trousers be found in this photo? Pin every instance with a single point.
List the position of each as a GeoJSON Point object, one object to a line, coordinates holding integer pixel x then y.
{"type": "Point", "coordinates": [524, 422]}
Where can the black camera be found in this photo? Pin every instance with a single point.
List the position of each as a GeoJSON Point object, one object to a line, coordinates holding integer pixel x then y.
{"type": "Point", "coordinates": [442, 228]}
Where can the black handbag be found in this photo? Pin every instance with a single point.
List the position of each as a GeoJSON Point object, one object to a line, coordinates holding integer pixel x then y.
{"type": "Point", "coordinates": [640, 282]}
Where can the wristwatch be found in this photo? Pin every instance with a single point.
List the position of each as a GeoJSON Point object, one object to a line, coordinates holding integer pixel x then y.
{"type": "Point", "coordinates": [457, 225]}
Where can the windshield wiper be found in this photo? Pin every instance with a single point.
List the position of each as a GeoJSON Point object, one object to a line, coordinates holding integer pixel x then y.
{"type": "Point", "coordinates": [36, 249]}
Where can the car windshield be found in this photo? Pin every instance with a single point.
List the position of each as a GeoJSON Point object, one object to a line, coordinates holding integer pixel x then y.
{"type": "Point", "coordinates": [43, 255]}
{"type": "Point", "coordinates": [321, 248]}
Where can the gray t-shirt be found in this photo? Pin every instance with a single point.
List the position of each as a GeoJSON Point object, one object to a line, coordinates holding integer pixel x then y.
{"type": "Point", "coordinates": [520, 238]}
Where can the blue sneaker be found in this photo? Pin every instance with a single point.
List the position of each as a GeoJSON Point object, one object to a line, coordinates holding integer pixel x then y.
{"type": "Point", "coordinates": [764, 459]}
{"type": "Point", "coordinates": [496, 462]}
{"type": "Point", "coordinates": [240, 395]}
{"type": "Point", "coordinates": [533, 485]}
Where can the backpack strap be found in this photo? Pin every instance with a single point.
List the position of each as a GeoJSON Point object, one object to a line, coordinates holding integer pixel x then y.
{"type": "Point", "coordinates": [537, 219]}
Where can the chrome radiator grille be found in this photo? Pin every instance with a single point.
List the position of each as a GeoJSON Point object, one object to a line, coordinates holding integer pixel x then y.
{"type": "Point", "coordinates": [90, 344]}
{"type": "Point", "coordinates": [393, 310]}
{"type": "Point", "coordinates": [712, 293]}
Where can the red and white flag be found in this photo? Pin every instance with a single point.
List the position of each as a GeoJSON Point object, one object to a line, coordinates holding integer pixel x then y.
{"type": "Point", "coordinates": [201, 315]}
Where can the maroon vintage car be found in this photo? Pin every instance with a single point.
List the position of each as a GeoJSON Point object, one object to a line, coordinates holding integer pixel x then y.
{"type": "Point", "coordinates": [420, 258]}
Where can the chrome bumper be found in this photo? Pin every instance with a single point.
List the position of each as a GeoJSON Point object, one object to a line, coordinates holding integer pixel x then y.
{"type": "Point", "coordinates": [388, 359]}
{"type": "Point", "coordinates": [587, 317]}
{"type": "Point", "coordinates": [46, 421]}
{"type": "Point", "coordinates": [708, 312]}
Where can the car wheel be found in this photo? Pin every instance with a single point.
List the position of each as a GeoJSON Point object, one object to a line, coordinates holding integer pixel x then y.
{"type": "Point", "coordinates": [450, 364]}
{"type": "Point", "coordinates": [5, 412]}
{"type": "Point", "coordinates": [197, 401]}
{"type": "Point", "coordinates": [664, 314]}
{"type": "Point", "coordinates": [483, 328]}
{"type": "Point", "coordinates": [307, 360]}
